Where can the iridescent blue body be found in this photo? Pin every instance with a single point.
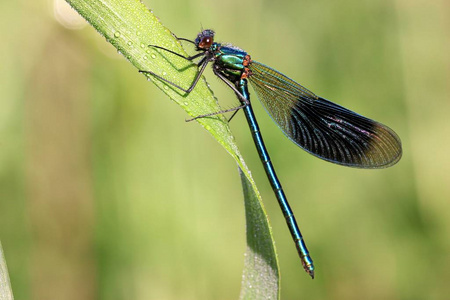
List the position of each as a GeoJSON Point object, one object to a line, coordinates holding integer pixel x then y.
{"type": "Point", "coordinates": [320, 127]}
{"type": "Point", "coordinates": [233, 63]}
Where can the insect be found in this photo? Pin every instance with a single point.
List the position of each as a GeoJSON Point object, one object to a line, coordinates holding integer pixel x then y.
{"type": "Point", "coordinates": [320, 127]}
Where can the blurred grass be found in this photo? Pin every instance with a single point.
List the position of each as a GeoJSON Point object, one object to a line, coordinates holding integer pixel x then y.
{"type": "Point", "coordinates": [79, 125]}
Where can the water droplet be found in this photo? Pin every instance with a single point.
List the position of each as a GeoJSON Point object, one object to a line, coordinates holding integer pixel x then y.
{"type": "Point", "coordinates": [130, 43]}
{"type": "Point", "coordinates": [186, 103]}
{"type": "Point", "coordinates": [117, 34]}
{"type": "Point", "coordinates": [153, 55]}
{"type": "Point", "coordinates": [164, 73]}
{"type": "Point", "coordinates": [166, 87]}
{"type": "Point", "coordinates": [142, 45]}
{"type": "Point", "coordinates": [145, 57]}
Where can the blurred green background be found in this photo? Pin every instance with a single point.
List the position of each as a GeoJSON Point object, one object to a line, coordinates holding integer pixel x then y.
{"type": "Point", "coordinates": [106, 193]}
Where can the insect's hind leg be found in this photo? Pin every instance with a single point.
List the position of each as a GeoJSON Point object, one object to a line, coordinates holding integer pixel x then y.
{"type": "Point", "coordinates": [204, 62]}
{"type": "Point", "coordinates": [243, 100]}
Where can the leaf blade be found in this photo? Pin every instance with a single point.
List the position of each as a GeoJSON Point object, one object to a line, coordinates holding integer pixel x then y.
{"type": "Point", "coordinates": [260, 279]}
{"type": "Point", "coordinates": [130, 27]}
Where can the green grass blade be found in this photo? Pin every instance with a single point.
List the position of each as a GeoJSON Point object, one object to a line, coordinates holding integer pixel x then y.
{"type": "Point", "coordinates": [5, 286]}
{"type": "Point", "coordinates": [260, 279]}
{"type": "Point", "coordinates": [130, 27]}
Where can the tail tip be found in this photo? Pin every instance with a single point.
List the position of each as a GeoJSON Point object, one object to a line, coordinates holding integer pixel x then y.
{"type": "Point", "coordinates": [311, 273]}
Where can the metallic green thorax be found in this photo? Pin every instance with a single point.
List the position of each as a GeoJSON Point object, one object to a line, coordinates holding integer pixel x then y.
{"type": "Point", "coordinates": [231, 60]}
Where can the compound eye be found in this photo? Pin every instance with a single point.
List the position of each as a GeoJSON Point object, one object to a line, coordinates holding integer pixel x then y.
{"type": "Point", "coordinates": [206, 42]}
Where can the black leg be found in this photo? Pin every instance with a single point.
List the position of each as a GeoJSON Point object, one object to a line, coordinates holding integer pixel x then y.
{"type": "Point", "coordinates": [241, 97]}
{"type": "Point", "coordinates": [201, 61]}
{"type": "Point", "coordinates": [183, 39]}
{"type": "Point", "coordinates": [231, 85]}
{"type": "Point", "coordinates": [205, 62]}
{"type": "Point", "coordinates": [189, 58]}
{"type": "Point", "coordinates": [232, 116]}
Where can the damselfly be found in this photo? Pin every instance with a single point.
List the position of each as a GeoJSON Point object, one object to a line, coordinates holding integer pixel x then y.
{"type": "Point", "coordinates": [322, 128]}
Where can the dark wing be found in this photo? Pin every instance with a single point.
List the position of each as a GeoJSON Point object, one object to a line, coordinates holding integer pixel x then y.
{"type": "Point", "coordinates": [322, 128]}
